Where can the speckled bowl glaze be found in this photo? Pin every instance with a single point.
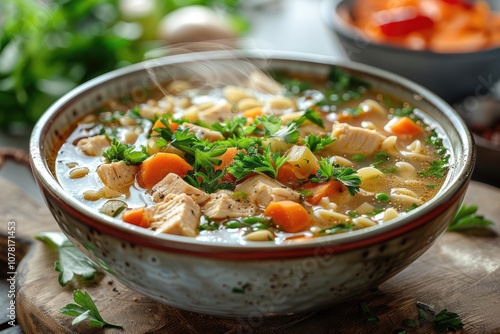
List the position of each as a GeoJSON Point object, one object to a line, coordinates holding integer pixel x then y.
{"type": "Point", "coordinates": [256, 279]}
{"type": "Point", "coordinates": [452, 76]}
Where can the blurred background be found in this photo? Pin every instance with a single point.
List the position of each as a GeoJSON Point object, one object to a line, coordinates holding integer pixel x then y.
{"type": "Point", "coordinates": [48, 47]}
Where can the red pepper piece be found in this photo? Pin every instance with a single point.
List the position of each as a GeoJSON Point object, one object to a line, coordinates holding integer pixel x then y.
{"type": "Point", "coordinates": [399, 22]}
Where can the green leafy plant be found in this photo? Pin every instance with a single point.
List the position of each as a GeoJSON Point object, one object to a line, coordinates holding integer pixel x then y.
{"type": "Point", "coordinates": [466, 218]}
{"type": "Point", "coordinates": [85, 310]}
{"type": "Point", "coordinates": [71, 260]}
{"type": "Point", "coordinates": [49, 47]}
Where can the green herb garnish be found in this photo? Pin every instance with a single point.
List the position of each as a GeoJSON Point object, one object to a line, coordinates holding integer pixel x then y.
{"type": "Point", "coordinates": [312, 116]}
{"type": "Point", "coordinates": [445, 320]}
{"type": "Point", "coordinates": [124, 152]}
{"type": "Point", "coordinates": [466, 218]}
{"type": "Point", "coordinates": [369, 317]}
{"type": "Point", "coordinates": [246, 163]}
{"type": "Point", "coordinates": [383, 197]}
{"type": "Point", "coordinates": [328, 171]}
{"type": "Point", "coordinates": [438, 167]}
{"type": "Point", "coordinates": [337, 229]}
{"type": "Point", "coordinates": [71, 260]}
{"type": "Point", "coordinates": [207, 224]}
{"type": "Point", "coordinates": [85, 309]}
{"type": "Point", "coordinates": [409, 323]}
{"type": "Point", "coordinates": [317, 143]}
{"type": "Point", "coordinates": [231, 128]}
{"type": "Point", "coordinates": [254, 222]}
{"type": "Point", "coordinates": [272, 128]}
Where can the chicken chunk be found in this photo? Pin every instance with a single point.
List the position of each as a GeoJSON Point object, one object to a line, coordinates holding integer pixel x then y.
{"type": "Point", "coordinates": [174, 184]}
{"type": "Point", "coordinates": [262, 190]}
{"type": "Point", "coordinates": [93, 146]}
{"type": "Point", "coordinates": [203, 133]}
{"type": "Point", "coordinates": [222, 205]}
{"type": "Point", "coordinates": [117, 175]}
{"type": "Point", "coordinates": [177, 214]}
{"type": "Point", "coordinates": [352, 139]}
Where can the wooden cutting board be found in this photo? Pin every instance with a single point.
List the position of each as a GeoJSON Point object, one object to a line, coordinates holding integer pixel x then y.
{"type": "Point", "coordinates": [461, 272]}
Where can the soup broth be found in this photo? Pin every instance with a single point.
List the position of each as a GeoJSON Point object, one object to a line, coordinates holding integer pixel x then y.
{"type": "Point", "coordinates": [273, 159]}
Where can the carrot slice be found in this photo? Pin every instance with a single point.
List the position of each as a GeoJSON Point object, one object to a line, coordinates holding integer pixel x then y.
{"type": "Point", "coordinates": [159, 124]}
{"type": "Point", "coordinates": [136, 217]}
{"type": "Point", "coordinates": [290, 216]}
{"type": "Point", "coordinates": [253, 112]}
{"type": "Point", "coordinates": [290, 174]}
{"type": "Point", "coordinates": [320, 190]}
{"type": "Point", "coordinates": [227, 158]}
{"type": "Point", "coordinates": [405, 126]}
{"type": "Point", "coordinates": [156, 167]}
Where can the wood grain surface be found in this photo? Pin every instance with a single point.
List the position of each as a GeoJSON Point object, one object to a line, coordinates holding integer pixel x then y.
{"type": "Point", "coordinates": [461, 273]}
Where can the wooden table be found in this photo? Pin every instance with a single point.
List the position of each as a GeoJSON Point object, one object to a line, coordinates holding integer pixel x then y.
{"type": "Point", "coordinates": [461, 272]}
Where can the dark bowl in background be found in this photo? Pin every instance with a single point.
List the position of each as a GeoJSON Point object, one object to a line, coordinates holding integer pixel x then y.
{"type": "Point", "coordinates": [466, 80]}
{"type": "Point", "coordinates": [452, 76]}
{"type": "Point", "coordinates": [481, 114]}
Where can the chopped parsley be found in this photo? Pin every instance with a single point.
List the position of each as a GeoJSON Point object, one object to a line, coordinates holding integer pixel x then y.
{"type": "Point", "coordinates": [253, 222]}
{"type": "Point", "coordinates": [231, 128]}
{"type": "Point", "coordinates": [342, 87]}
{"type": "Point", "coordinates": [272, 128]}
{"type": "Point", "coordinates": [404, 111]}
{"type": "Point", "coordinates": [337, 229]}
{"type": "Point", "coordinates": [438, 167]}
{"type": "Point", "coordinates": [207, 224]}
{"type": "Point", "coordinates": [345, 175]}
{"type": "Point", "coordinates": [317, 143]}
{"type": "Point", "coordinates": [256, 160]}
{"type": "Point", "coordinates": [293, 86]}
{"type": "Point", "coordinates": [312, 116]}
{"type": "Point", "coordinates": [124, 152]}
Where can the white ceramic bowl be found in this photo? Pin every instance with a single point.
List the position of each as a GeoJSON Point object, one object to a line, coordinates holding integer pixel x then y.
{"type": "Point", "coordinates": [276, 279]}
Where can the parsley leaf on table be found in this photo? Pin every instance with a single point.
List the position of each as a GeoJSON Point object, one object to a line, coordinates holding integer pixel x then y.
{"type": "Point", "coordinates": [71, 260]}
{"type": "Point", "coordinates": [85, 309]}
{"type": "Point", "coordinates": [466, 218]}
{"type": "Point", "coordinates": [445, 320]}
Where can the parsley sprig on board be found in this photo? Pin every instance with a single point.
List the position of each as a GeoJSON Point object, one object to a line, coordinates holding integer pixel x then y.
{"type": "Point", "coordinates": [442, 321]}
{"type": "Point", "coordinates": [466, 218]}
{"type": "Point", "coordinates": [85, 309]}
{"type": "Point", "coordinates": [71, 261]}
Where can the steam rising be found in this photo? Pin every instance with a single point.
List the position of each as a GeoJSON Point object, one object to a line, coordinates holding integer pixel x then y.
{"type": "Point", "coordinates": [214, 68]}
